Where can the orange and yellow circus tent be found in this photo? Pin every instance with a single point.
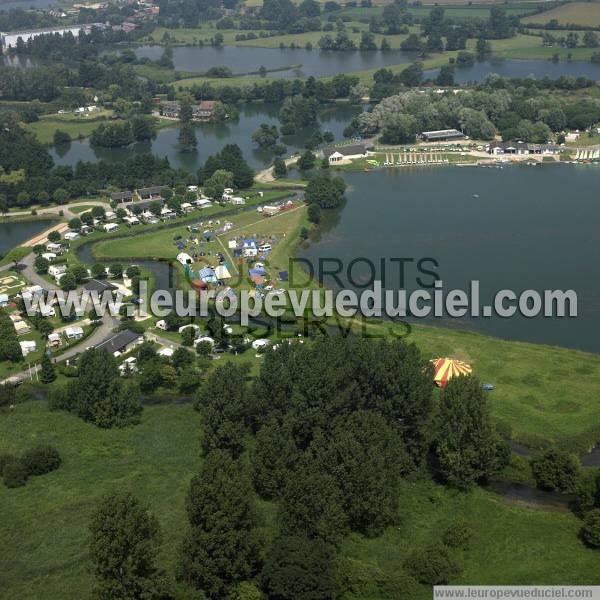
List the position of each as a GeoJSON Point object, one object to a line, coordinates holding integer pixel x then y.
{"type": "Point", "coordinates": [445, 369]}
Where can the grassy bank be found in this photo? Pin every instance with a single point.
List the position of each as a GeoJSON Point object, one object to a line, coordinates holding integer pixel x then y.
{"type": "Point", "coordinates": [76, 127]}
{"type": "Point", "coordinates": [46, 524]}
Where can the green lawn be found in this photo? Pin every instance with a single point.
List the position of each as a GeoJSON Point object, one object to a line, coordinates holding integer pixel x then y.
{"type": "Point", "coordinates": [45, 523]}
{"type": "Point", "coordinates": [75, 126]}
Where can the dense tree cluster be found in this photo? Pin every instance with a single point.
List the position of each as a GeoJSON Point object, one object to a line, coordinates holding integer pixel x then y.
{"type": "Point", "coordinates": [98, 394]}
{"type": "Point", "coordinates": [480, 113]}
{"type": "Point", "coordinates": [230, 159]}
{"type": "Point", "coordinates": [10, 348]}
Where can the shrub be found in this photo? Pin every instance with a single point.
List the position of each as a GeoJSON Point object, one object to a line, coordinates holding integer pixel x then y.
{"type": "Point", "coordinates": [41, 459]}
{"type": "Point", "coordinates": [590, 532]}
{"type": "Point", "coordinates": [59, 399]}
{"type": "Point", "coordinates": [4, 460]}
{"type": "Point", "coordinates": [556, 470]}
{"type": "Point", "coordinates": [15, 474]}
{"type": "Point", "coordinates": [432, 565]}
{"type": "Point", "coordinates": [458, 534]}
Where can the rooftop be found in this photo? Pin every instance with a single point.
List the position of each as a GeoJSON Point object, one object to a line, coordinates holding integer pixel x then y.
{"type": "Point", "coordinates": [118, 341]}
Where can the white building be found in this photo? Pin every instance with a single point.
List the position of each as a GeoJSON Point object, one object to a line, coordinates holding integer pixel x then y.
{"type": "Point", "coordinates": [71, 235]}
{"type": "Point", "coordinates": [344, 153]}
{"type": "Point", "coordinates": [109, 227]}
{"type": "Point", "coordinates": [57, 270]}
{"type": "Point", "coordinates": [74, 333]}
{"type": "Point", "coordinates": [28, 346]}
{"type": "Point", "coordinates": [49, 256]}
{"type": "Point", "coordinates": [184, 258]}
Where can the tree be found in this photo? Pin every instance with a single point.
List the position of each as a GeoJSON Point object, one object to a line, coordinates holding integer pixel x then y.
{"type": "Point", "coordinates": [311, 506]}
{"type": "Point", "coordinates": [366, 457]}
{"type": "Point", "coordinates": [445, 76]}
{"type": "Point", "coordinates": [221, 548]}
{"type": "Point", "coordinates": [265, 136]}
{"type": "Point", "coordinates": [98, 271]}
{"type": "Point", "coordinates": [125, 541]}
{"type": "Point", "coordinates": [274, 458]}
{"type": "Point", "coordinates": [116, 270]}
{"type": "Point", "coordinates": [54, 237]}
{"type": "Point", "coordinates": [47, 374]}
{"type": "Point", "coordinates": [432, 565]}
{"type": "Point", "coordinates": [68, 282]}
{"type": "Point", "coordinates": [590, 532]}
{"type": "Point", "coordinates": [217, 182]}
{"type": "Point", "coordinates": [306, 161]}
{"type": "Point", "coordinates": [399, 129]}
{"type": "Point", "coordinates": [556, 470]}
{"type": "Point", "coordinates": [299, 569]}
{"type": "Point", "coordinates": [314, 213]}
{"type": "Point", "coordinates": [325, 191]}
{"type": "Point", "coordinates": [14, 474]}
{"type": "Point", "coordinates": [142, 128]}
{"type": "Point", "coordinates": [467, 448]}
{"type": "Point", "coordinates": [75, 224]}
{"type": "Point", "coordinates": [187, 138]}
{"type": "Point", "coordinates": [590, 39]}
{"type": "Point", "coordinates": [188, 336]}
{"type": "Point", "coordinates": [100, 396]}
{"type": "Point", "coordinates": [182, 358]}
{"type": "Point", "coordinates": [222, 402]}
{"type": "Point", "coordinates": [41, 459]}
{"type": "Point", "coordinates": [279, 168]}
{"type": "Point", "coordinates": [61, 138]}
{"type": "Point", "coordinates": [79, 272]}
{"type": "Point", "coordinates": [483, 48]}
{"type": "Point", "coordinates": [297, 113]}
{"type": "Point", "coordinates": [41, 265]}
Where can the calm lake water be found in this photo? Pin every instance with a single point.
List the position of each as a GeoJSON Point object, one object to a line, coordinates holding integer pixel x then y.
{"type": "Point", "coordinates": [522, 68]}
{"type": "Point", "coordinates": [243, 60]}
{"type": "Point", "coordinates": [26, 4]}
{"type": "Point", "coordinates": [530, 228]}
{"type": "Point", "coordinates": [318, 63]}
{"type": "Point", "coordinates": [12, 234]}
{"type": "Point", "coordinates": [212, 137]}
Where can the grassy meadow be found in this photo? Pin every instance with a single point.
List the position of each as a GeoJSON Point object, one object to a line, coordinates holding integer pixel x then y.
{"type": "Point", "coordinates": [45, 523]}
{"type": "Point", "coordinates": [76, 127]}
{"type": "Point", "coordinates": [571, 13]}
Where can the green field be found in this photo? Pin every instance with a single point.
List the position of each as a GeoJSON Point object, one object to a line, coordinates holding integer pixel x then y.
{"type": "Point", "coordinates": [45, 524]}
{"type": "Point", "coordinates": [75, 126]}
{"type": "Point", "coordinates": [572, 13]}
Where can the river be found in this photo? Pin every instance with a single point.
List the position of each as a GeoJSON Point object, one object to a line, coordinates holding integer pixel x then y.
{"type": "Point", "coordinates": [515, 228]}
{"type": "Point", "coordinates": [212, 137]}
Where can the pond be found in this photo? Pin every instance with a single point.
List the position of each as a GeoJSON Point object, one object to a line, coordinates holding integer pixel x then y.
{"type": "Point", "coordinates": [212, 137]}
{"type": "Point", "coordinates": [13, 234]}
{"type": "Point", "coordinates": [516, 228]}
{"type": "Point", "coordinates": [522, 68]}
{"type": "Point", "coordinates": [242, 60]}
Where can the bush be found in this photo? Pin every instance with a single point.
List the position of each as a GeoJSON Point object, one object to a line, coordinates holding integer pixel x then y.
{"type": "Point", "coordinates": [4, 460]}
{"type": "Point", "coordinates": [15, 474]}
{"type": "Point", "coordinates": [590, 532]}
{"type": "Point", "coordinates": [556, 470]}
{"type": "Point", "coordinates": [432, 565]}
{"type": "Point", "coordinates": [458, 534]}
{"type": "Point", "coordinates": [59, 399]}
{"type": "Point", "coordinates": [41, 460]}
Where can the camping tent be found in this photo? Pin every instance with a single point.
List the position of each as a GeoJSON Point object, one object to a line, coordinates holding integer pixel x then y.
{"type": "Point", "coordinates": [445, 369]}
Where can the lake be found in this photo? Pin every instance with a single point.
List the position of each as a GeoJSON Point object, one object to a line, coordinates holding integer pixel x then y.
{"type": "Point", "coordinates": [320, 63]}
{"type": "Point", "coordinates": [522, 68]}
{"type": "Point", "coordinates": [27, 4]}
{"type": "Point", "coordinates": [13, 234]}
{"type": "Point", "coordinates": [242, 60]}
{"type": "Point", "coordinates": [530, 228]}
{"type": "Point", "coordinates": [212, 137]}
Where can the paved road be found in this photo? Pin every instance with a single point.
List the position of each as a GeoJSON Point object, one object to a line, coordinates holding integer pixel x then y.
{"type": "Point", "coordinates": [101, 333]}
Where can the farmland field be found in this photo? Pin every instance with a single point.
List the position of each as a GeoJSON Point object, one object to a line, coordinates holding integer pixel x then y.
{"type": "Point", "coordinates": [576, 13]}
